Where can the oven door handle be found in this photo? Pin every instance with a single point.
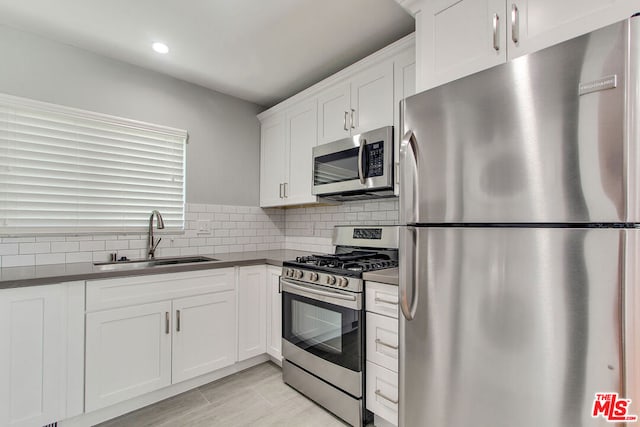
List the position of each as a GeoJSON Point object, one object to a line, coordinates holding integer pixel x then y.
{"type": "Point", "coordinates": [350, 300]}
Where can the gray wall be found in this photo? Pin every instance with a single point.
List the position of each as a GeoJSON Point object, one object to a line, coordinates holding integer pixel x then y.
{"type": "Point", "coordinates": [224, 134]}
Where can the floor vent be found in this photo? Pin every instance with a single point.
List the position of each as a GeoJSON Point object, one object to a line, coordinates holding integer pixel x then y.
{"type": "Point", "coordinates": [51, 425]}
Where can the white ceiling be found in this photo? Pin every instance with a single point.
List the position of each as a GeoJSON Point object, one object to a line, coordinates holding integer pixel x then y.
{"type": "Point", "coordinates": [259, 50]}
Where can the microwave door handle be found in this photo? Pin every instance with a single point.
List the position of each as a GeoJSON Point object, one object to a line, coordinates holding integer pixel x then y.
{"type": "Point", "coordinates": [363, 142]}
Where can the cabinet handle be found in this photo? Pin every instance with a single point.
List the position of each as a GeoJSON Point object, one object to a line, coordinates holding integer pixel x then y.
{"type": "Point", "coordinates": [377, 299]}
{"type": "Point", "coordinates": [166, 323]}
{"type": "Point", "coordinates": [286, 190]}
{"type": "Point", "coordinates": [344, 123]}
{"type": "Point", "coordinates": [515, 23]}
{"type": "Point", "coordinates": [281, 191]}
{"type": "Point", "coordinates": [496, 32]}
{"type": "Point", "coordinates": [177, 320]}
{"type": "Point", "coordinates": [353, 113]}
{"type": "Point", "coordinates": [379, 393]}
{"type": "Point", "coordinates": [378, 341]}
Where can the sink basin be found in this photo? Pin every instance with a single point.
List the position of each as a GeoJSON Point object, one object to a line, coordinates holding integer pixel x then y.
{"type": "Point", "coordinates": [143, 263]}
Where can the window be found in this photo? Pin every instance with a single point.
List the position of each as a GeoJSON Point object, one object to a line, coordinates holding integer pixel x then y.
{"type": "Point", "coordinates": [64, 170]}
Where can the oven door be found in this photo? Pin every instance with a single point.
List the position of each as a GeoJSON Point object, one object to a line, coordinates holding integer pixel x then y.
{"type": "Point", "coordinates": [322, 322]}
{"type": "Point", "coordinates": [362, 162]}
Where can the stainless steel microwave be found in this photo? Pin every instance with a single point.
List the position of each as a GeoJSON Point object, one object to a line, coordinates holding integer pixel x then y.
{"type": "Point", "coordinates": [359, 167]}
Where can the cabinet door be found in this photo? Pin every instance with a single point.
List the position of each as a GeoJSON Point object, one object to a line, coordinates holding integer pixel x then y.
{"type": "Point", "coordinates": [274, 313]}
{"type": "Point", "coordinates": [301, 135]}
{"type": "Point", "coordinates": [404, 85]}
{"type": "Point", "coordinates": [32, 355]}
{"type": "Point", "coordinates": [128, 353]}
{"type": "Point", "coordinates": [457, 39]}
{"type": "Point", "coordinates": [252, 312]}
{"type": "Point", "coordinates": [334, 113]}
{"type": "Point", "coordinates": [204, 334]}
{"type": "Point", "coordinates": [536, 24]}
{"type": "Point", "coordinates": [272, 161]}
{"type": "Point", "coordinates": [372, 98]}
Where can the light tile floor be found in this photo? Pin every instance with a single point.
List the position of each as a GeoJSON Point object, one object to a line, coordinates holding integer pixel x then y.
{"type": "Point", "coordinates": [254, 397]}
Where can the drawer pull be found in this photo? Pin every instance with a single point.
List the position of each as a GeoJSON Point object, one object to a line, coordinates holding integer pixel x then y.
{"type": "Point", "coordinates": [379, 393]}
{"type": "Point", "coordinates": [377, 299]}
{"type": "Point", "coordinates": [378, 341]}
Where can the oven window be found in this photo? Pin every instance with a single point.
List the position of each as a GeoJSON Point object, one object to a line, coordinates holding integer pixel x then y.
{"type": "Point", "coordinates": [336, 167]}
{"type": "Point", "coordinates": [329, 331]}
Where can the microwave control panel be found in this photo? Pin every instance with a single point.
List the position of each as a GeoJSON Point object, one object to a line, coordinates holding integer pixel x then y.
{"type": "Point", "coordinates": [375, 157]}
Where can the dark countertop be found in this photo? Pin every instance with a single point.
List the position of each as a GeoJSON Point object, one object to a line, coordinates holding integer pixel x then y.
{"type": "Point", "coordinates": [389, 275]}
{"type": "Point", "coordinates": [17, 277]}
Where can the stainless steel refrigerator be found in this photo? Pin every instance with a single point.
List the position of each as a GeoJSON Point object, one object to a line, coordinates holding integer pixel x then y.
{"type": "Point", "coordinates": [520, 244]}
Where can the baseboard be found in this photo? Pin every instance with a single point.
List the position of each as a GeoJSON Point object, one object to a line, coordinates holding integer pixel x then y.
{"type": "Point", "coordinates": [104, 414]}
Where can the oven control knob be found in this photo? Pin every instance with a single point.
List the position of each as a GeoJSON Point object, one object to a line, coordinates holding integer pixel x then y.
{"type": "Point", "coordinates": [343, 282]}
{"type": "Point", "coordinates": [288, 272]}
{"type": "Point", "coordinates": [314, 277]}
{"type": "Point", "coordinates": [298, 274]}
{"type": "Point", "coordinates": [331, 280]}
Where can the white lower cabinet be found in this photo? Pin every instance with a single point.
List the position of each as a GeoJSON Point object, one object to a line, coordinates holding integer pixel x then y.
{"type": "Point", "coordinates": [274, 313]}
{"type": "Point", "coordinates": [382, 392]}
{"type": "Point", "coordinates": [136, 349]}
{"type": "Point", "coordinates": [252, 311]}
{"type": "Point", "coordinates": [198, 350]}
{"type": "Point", "coordinates": [128, 353]}
{"type": "Point", "coordinates": [41, 354]}
{"type": "Point", "coordinates": [382, 345]}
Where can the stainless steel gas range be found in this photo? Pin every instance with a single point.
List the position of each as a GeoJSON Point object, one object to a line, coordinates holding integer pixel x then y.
{"type": "Point", "coordinates": [323, 318]}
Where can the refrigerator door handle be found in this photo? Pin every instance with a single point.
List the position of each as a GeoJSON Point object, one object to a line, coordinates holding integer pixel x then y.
{"type": "Point", "coordinates": [408, 285]}
{"type": "Point", "coordinates": [409, 178]}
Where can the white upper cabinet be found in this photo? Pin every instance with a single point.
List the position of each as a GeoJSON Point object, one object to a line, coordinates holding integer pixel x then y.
{"type": "Point", "coordinates": [460, 37]}
{"type": "Point", "coordinates": [272, 161]}
{"type": "Point", "coordinates": [372, 98]}
{"type": "Point", "coordinates": [536, 24]}
{"type": "Point", "coordinates": [301, 136]}
{"type": "Point", "coordinates": [363, 103]}
{"type": "Point", "coordinates": [357, 99]}
{"type": "Point", "coordinates": [455, 38]}
{"type": "Point", "coordinates": [334, 116]}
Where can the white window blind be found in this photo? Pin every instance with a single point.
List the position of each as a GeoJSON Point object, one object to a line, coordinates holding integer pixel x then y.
{"type": "Point", "coordinates": [64, 170]}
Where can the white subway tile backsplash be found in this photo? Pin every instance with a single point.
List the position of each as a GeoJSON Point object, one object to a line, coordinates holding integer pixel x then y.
{"type": "Point", "coordinates": [35, 248]}
{"type": "Point", "coordinates": [71, 257]}
{"type": "Point", "coordinates": [54, 258]}
{"type": "Point", "coordinates": [18, 260]}
{"type": "Point", "coordinates": [114, 245]}
{"type": "Point", "coordinates": [92, 245]}
{"type": "Point", "coordinates": [233, 229]}
{"type": "Point", "coordinates": [9, 249]}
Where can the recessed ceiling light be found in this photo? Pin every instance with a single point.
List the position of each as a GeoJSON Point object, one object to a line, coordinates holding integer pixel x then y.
{"type": "Point", "coordinates": [160, 47]}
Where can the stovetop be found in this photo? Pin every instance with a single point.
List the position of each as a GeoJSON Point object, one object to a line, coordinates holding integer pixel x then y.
{"type": "Point", "coordinates": [352, 263]}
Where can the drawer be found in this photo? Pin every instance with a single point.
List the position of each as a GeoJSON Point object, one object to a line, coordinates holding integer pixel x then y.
{"type": "Point", "coordinates": [134, 290]}
{"type": "Point", "coordinates": [382, 341]}
{"type": "Point", "coordinates": [381, 298]}
{"type": "Point", "coordinates": [382, 392]}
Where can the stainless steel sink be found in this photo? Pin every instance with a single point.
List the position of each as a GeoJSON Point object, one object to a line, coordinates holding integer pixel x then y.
{"type": "Point", "coordinates": [156, 262]}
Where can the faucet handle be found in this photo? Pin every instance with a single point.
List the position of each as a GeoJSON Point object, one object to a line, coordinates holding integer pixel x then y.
{"type": "Point", "coordinates": [157, 243]}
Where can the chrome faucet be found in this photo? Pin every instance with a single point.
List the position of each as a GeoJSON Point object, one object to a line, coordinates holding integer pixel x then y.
{"type": "Point", "coordinates": [160, 225]}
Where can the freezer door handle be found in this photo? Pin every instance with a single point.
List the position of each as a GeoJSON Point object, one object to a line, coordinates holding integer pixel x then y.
{"type": "Point", "coordinates": [408, 285]}
{"type": "Point", "coordinates": [409, 178]}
